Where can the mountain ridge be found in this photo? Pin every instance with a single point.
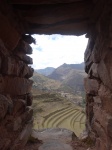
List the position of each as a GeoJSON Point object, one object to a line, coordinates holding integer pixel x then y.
{"type": "Point", "coordinates": [67, 78]}
{"type": "Point", "coordinates": [46, 71]}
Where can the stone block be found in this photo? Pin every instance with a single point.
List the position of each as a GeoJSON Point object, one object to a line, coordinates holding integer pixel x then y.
{"type": "Point", "coordinates": [55, 145]}
{"type": "Point", "coordinates": [19, 107]}
{"type": "Point", "coordinates": [17, 86]}
{"type": "Point", "coordinates": [27, 59]}
{"type": "Point", "coordinates": [97, 99]}
{"type": "Point", "coordinates": [5, 143]}
{"type": "Point", "coordinates": [104, 75]}
{"type": "Point", "coordinates": [0, 63]}
{"type": "Point", "coordinates": [100, 115]}
{"type": "Point", "coordinates": [20, 142]}
{"type": "Point", "coordinates": [3, 50]}
{"type": "Point", "coordinates": [104, 119]}
{"type": "Point", "coordinates": [91, 86]}
{"type": "Point", "coordinates": [88, 56]}
{"type": "Point", "coordinates": [17, 123]}
{"type": "Point", "coordinates": [99, 131]}
{"type": "Point", "coordinates": [2, 84]}
{"type": "Point", "coordinates": [15, 67]}
{"type": "Point", "coordinates": [27, 116]}
{"type": "Point", "coordinates": [24, 57]}
{"type": "Point", "coordinates": [99, 50]}
{"type": "Point", "coordinates": [100, 144]}
{"type": "Point", "coordinates": [61, 134]}
{"type": "Point", "coordinates": [93, 72]}
{"type": "Point", "coordinates": [105, 69]}
{"type": "Point", "coordinates": [88, 65]}
{"type": "Point", "coordinates": [3, 106]}
{"type": "Point", "coordinates": [106, 97]}
{"type": "Point", "coordinates": [8, 33]}
{"type": "Point", "coordinates": [109, 128]}
{"type": "Point", "coordinates": [27, 71]}
{"type": "Point", "coordinates": [29, 39]}
{"type": "Point", "coordinates": [24, 47]}
{"type": "Point", "coordinates": [11, 66]}
{"type": "Point", "coordinates": [29, 99]}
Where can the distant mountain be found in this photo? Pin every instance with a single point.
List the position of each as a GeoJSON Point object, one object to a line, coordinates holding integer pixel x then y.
{"type": "Point", "coordinates": [41, 82]}
{"type": "Point", "coordinates": [71, 77]}
{"type": "Point", "coordinates": [62, 72]}
{"type": "Point", "coordinates": [47, 71]}
{"type": "Point", "coordinates": [74, 66]}
{"type": "Point", "coordinates": [67, 78]}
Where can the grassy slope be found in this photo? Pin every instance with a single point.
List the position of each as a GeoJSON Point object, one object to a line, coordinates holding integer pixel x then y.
{"type": "Point", "coordinates": [70, 80]}
{"type": "Point", "coordinates": [43, 83]}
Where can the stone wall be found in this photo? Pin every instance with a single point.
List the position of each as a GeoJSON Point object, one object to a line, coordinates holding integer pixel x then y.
{"type": "Point", "coordinates": [98, 84]}
{"type": "Point", "coordinates": [15, 97]}
{"type": "Point", "coordinates": [15, 85]}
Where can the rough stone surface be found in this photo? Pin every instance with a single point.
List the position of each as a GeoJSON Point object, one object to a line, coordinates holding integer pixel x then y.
{"type": "Point", "coordinates": [3, 49]}
{"type": "Point", "coordinates": [6, 30]}
{"type": "Point", "coordinates": [23, 57]}
{"type": "Point", "coordinates": [24, 47]}
{"type": "Point", "coordinates": [2, 84]}
{"type": "Point", "coordinates": [15, 117]}
{"type": "Point", "coordinates": [93, 72]}
{"type": "Point", "coordinates": [19, 107]}
{"type": "Point", "coordinates": [97, 100]}
{"type": "Point", "coordinates": [106, 97]}
{"type": "Point", "coordinates": [99, 103]}
{"type": "Point", "coordinates": [29, 39]}
{"type": "Point", "coordinates": [29, 99]}
{"type": "Point", "coordinates": [3, 106]}
{"type": "Point", "coordinates": [15, 67]}
{"type": "Point", "coordinates": [60, 134]}
{"type": "Point", "coordinates": [55, 145]}
{"type": "Point", "coordinates": [23, 137]}
{"type": "Point", "coordinates": [91, 86]}
{"type": "Point", "coordinates": [17, 86]}
{"type": "Point", "coordinates": [54, 138]}
{"type": "Point", "coordinates": [88, 56]}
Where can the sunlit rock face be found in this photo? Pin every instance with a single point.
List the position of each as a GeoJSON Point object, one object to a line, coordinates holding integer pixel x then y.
{"type": "Point", "coordinates": [67, 17]}
{"type": "Point", "coordinates": [98, 65]}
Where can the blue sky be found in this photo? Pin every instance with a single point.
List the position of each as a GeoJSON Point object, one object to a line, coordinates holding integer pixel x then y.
{"type": "Point", "coordinates": [54, 50]}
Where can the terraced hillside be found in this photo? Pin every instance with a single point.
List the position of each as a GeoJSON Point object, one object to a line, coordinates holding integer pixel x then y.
{"type": "Point", "coordinates": [51, 110]}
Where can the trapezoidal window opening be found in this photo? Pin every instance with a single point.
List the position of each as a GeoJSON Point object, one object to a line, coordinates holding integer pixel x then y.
{"type": "Point", "coordinates": [58, 90]}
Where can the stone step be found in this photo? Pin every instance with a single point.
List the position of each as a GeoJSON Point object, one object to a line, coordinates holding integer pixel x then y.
{"type": "Point", "coordinates": [61, 134]}
{"type": "Point", "coordinates": [55, 145]}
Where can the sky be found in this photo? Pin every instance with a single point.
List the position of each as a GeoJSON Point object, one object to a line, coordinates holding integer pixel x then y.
{"type": "Point", "coordinates": [55, 50]}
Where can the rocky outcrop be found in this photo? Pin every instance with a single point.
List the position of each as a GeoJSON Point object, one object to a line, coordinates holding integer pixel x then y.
{"type": "Point", "coordinates": [98, 85]}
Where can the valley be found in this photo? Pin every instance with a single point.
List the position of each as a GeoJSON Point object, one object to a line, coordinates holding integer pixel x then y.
{"type": "Point", "coordinates": [58, 102]}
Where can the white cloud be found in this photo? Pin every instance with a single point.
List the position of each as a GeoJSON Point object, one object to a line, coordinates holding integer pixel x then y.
{"type": "Point", "coordinates": [54, 50]}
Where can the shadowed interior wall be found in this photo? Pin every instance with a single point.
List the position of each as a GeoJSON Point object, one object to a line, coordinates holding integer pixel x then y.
{"type": "Point", "coordinates": [15, 97]}
{"type": "Point", "coordinates": [98, 84]}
